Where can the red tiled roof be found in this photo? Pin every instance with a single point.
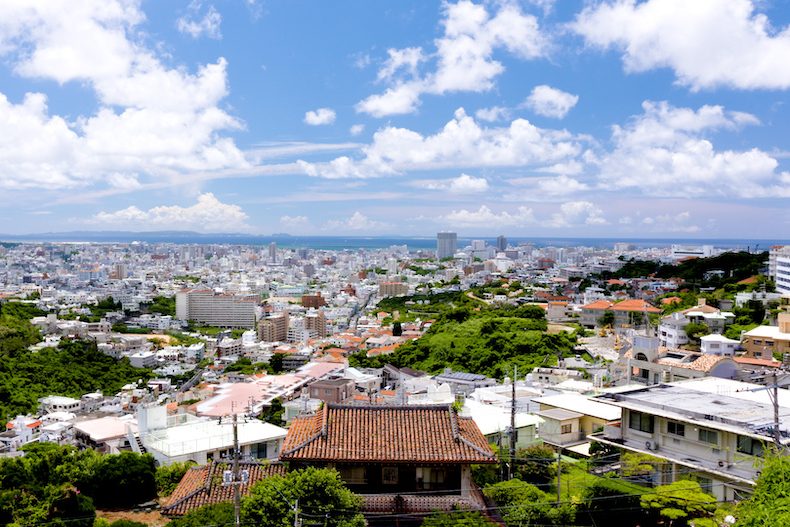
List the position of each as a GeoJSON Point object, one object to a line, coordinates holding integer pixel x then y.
{"type": "Point", "coordinates": [635, 305]}
{"type": "Point", "coordinates": [393, 434]}
{"type": "Point", "coordinates": [202, 485]}
{"type": "Point", "coordinates": [599, 304]}
{"type": "Point", "coordinates": [770, 363]}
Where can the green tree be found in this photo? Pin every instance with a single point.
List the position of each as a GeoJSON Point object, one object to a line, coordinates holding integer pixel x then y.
{"type": "Point", "coordinates": [122, 480]}
{"type": "Point", "coordinates": [397, 330]}
{"type": "Point", "coordinates": [68, 508]}
{"type": "Point", "coordinates": [678, 503]}
{"type": "Point", "coordinates": [457, 519]}
{"type": "Point", "coordinates": [770, 502]}
{"type": "Point", "coordinates": [319, 491]}
{"type": "Point", "coordinates": [274, 412]}
{"type": "Point", "coordinates": [169, 476]}
{"type": "Point", "coordinates": [217, 514]}
{"type": "Point", "coordinates": [536, 464]}
{"type": "Point", "coordinates": [525, 504]}
{"type": "Point", "coordinates": [276, 362]}
{"type": "Point", "coordinates": [607, 319]}
{"type": "Point", "coordinates": [609, 502]}
{"type": "Point", "coordinates": [695, 330]}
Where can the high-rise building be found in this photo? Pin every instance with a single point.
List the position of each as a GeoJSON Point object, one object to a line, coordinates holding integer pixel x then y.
{"type": "Point", "coordinates": [446, 244]}
{"type": "Point", "coordinates": [779, 267]}
{"type": "Point", "coordinates": [315, 321]}
{"type": "Point", "coordinates": [273, 252]}
{"type": "Point", "coordinates": [501, 243]}
{"type": "Point", "coordinates": [216, 309]}
{"type": "Point", "coordinates": [274, 328]}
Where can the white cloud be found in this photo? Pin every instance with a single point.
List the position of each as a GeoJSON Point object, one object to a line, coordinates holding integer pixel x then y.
{"type": "Point", "coordinates": [493, 114]}
{"type": "Point", "coordinates": [400, 99]}
{"type": "Point", "coordinates": [550, 102]}
{"type": "Point", "coordinates": [463, 58]}
{"type": "Point", "coordinates": [664, 152]}
{"type": "Point", "coordinates": [576, 213]}
{"type": "Point", "coordinates": [294, 222]}
{"type": "Point", "coordinates": [461, 143]}
{"type": "Point", "coordinates": [407, 59]}
{"type": "Point", "coordinates": [485, 217]}
{"type": "Point", "coordinates": [463, 184]}
{"type": "Point", "coordinates": [356, 222]}
{"type": "Point", "coordinates": [320, 117]}
{"type": "Point", "coordinates": [356, 129]}
{"type": "Point", "coordinates": [209, 25]}
{"type": "Point", "coordinates": [208, 214]}
{"type": "Point", "coordinates": [670, 223]}
{"type": "Point", "coordinates": [560, 185]}
{"type": "Point", "coordinates": [708, 43]}
{"type": "Point", "coordinates": [153, 121]}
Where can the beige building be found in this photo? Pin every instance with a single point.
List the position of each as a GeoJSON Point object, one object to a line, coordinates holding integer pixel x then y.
{"type": "Point", "coordinates": [315, 321]}
{"type": "Point", "coordinates": [274, 328]}
{"type": "Point", "coordinates": [763, 341]}
{"type": "Point", "coordinates": [205, 306]}
{"type": "Point", "coordinates": [393, 289]}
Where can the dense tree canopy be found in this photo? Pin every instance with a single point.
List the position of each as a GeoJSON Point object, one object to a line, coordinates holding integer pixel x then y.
{"type": "Point", "coordinates": [60, 485]}
{"type": "Point", "coordinates": [485, 340]}
{"type": "Point", "coordinates": [74, 368]}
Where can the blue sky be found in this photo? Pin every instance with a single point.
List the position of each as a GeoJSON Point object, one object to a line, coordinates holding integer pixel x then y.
{"type": "Point", "coordinates": [658, 118]}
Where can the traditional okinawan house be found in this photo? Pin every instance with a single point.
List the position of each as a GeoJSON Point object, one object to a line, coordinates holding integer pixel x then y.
{"type": "Point", "coordinates": [401, 459]}
{"type": "Point", "coordinates": [204, 485]}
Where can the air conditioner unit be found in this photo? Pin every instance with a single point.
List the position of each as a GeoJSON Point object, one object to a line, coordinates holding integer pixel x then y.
{"type": "Point", "coordinates": [651, 445]}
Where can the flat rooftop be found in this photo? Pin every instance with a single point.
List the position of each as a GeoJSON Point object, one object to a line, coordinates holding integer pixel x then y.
{"type": "Point", "coordinates": [725, 412]}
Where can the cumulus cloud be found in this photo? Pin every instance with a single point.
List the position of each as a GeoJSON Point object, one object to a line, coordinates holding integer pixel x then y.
{"type": "Point", "coordinates": [485, 217]}
{"type": "Point", "coordinates": [666, 152]}
{"type": "Point", "coordinates": [463, 60]}
{"type": "Point", "coordinates": [320, 117]}
{"type": "Point", "coordinates": [152, 120]}
{"type": "Point", "coordinates": [576, 213]}
{"type": "Point", "coordinates": [208, 214]}
{"type": "Point", "coordinates": [463, 184]}
{"type": "Point", "coordinates": [356, 222]}
{"type": "Point", "coordinates": [493, 114]}
{"type": "Point", "coordinates": [209, 25]}
{"type": "Point", "coordinates": [708, 43]}
{"type": "Point", "coordinates": [461, 143]}
{"type": "Point", "coordinates": [356, 129]}
{"type": "Point", "coordinates": [550, 102]}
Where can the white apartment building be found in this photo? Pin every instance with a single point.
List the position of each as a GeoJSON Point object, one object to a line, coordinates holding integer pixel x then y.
{"type": "Point", "coordinates": [216, 309]}
{"type": "Point", "coordinates": [713, 430]}
{"type": "Point", "coordinates": [184, 437]}
{"type": "Point", "coordinates": [779, 268]}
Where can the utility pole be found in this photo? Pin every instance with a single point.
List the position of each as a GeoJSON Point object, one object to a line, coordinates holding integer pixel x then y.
{"type": "Point", "coordinates": [775, 400]}
{"type": "Point", "coordinates": [559, 471]}
{"type": "Point", "coordinates": [236, 481]}
{"type": "Point", "coordinates": [513, 424]}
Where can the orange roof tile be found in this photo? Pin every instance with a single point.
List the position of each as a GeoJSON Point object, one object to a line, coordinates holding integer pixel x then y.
{"type": "Point", "coordinates": [202, 485]}
{"type": "Point", "coordinates": [635, 305]}
{"type": "Point", "coordinates": [599, 304]}
{"type": "Point", "coordinates": [391, 434]}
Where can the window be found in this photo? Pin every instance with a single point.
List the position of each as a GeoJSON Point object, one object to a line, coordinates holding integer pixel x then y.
{"type": "Point", "coordinates": [709, 436]}
{"type": "Point", "coordinates": [566, 429]}
{"type": "Point", "coordinates": [675, 428]}
{"type": "Point", "coordinates": [641, 422]}
{"type": "Point", "coordinates": [749, 445]}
